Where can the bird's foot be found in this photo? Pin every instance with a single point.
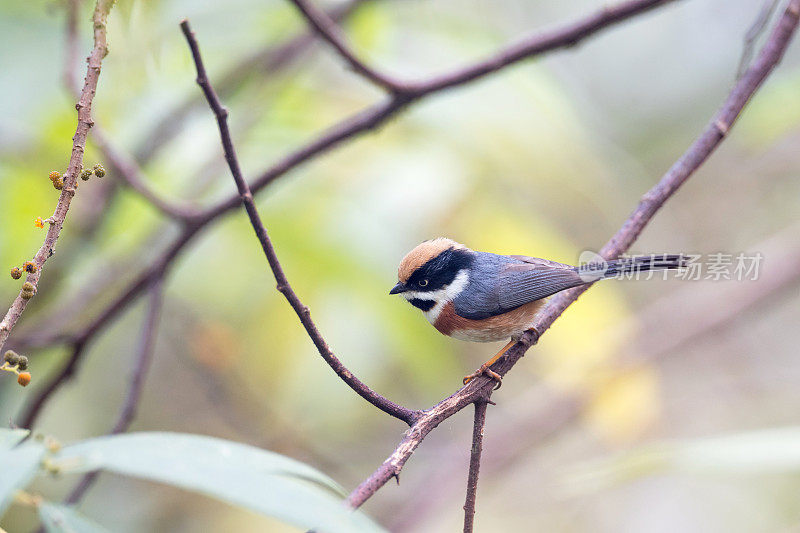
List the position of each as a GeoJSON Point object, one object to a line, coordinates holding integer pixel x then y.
{"type": "Point", "coordinates": [484, 370]}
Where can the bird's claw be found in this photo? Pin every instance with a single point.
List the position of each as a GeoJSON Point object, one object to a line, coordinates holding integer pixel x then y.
{"type": "Point", "coordinates": [485, 371]}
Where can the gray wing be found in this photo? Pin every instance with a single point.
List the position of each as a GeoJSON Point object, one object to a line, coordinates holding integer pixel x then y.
{"type": "Point", "coordinates": [504, 282]}
{"type": "Point", "coordinates": [526, 279]}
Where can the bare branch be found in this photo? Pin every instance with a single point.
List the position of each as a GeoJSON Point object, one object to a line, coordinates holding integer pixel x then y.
{"type": "Point", "coordinates": [329, 31]}
{"type": "Point", "coordinates": [134, 395]}
{"type": "Point", "coordinates": [284, 287]}
{"type": "Point", "coordinates": [690, 161]}
{"type": "Point", "coordinates": [478, 425]}
{"type": "Point", "coordinates": [84, 107]}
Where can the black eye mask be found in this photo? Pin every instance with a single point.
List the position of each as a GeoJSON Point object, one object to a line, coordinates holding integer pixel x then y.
{"type": "Point", "coordinates": [440, 271]}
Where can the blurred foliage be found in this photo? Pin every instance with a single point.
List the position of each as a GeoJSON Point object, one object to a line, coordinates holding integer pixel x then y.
{"type": "Point", "coordinates": [546, 159]}
{"type": "Point", "coordinates": [253, 478]}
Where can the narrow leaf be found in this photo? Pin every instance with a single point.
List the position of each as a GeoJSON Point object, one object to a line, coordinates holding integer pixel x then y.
{"type": "Point", "coordinates": [239, 474]}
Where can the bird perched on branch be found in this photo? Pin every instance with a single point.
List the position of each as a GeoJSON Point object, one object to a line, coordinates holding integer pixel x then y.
{"type": "Point", "coordinates": [485, 297]}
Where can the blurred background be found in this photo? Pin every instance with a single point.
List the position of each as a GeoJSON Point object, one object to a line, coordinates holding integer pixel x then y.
{"type": "Point", "coordinates": [592, 430]}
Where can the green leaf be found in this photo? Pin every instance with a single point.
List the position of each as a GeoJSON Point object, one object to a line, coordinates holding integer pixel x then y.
{"type": "Point", "coordinates": [11, 437]}
{"type": "Point", "coordinates": [62, 519]}
{"type": "Point", "coordinates": [239, 474]}
{"type": "Point", "coordinates": [17, 467]}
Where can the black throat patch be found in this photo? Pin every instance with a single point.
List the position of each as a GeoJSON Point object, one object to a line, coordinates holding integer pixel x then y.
{"type": "Point", "coordinates": [425, 305]}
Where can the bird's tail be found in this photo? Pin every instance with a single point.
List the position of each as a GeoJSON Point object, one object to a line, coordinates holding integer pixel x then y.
{"type": "Point", "coordinates": [599, 269]}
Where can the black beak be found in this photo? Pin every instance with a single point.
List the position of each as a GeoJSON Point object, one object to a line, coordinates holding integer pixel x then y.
{"type": "Point", "coordinates": [397, 289]}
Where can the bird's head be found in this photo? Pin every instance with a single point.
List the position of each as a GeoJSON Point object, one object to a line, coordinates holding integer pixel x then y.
{"type": "Point", "coordinates": [436, 271]}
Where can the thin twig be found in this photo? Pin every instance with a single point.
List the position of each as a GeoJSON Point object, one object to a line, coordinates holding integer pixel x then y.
{"type": "Point", "coordinates": [651, 202]}
{"type": "Point", "coordinates": [84, 108]}
{"type": "Point", "coordinates": [329, 31]}
{"type": "Point", "coordinates": [478, 425]}
{"type": "Point", "coordinates": [345, 130]}
{"type": "Point", "coordinates": [142, 364]}
{"type": "Point", "coordinates": [303, 313]}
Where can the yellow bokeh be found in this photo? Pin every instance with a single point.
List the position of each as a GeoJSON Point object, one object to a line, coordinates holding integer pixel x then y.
{"type": "Point", "coordinates": [624, 406]}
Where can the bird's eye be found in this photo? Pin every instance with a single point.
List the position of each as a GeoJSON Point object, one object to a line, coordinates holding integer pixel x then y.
{"type": "Point", "coordinates": [422, 282]}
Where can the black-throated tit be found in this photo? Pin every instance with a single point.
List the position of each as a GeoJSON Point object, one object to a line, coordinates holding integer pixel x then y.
{"type": "Point", "coordinates": [485, 297]}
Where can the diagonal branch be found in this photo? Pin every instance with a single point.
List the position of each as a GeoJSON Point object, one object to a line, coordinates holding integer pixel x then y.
{"type": "Point", "coordinates": [85, 122]}
{"type": "Point", "coordinates": [651, 202]}
{"type": "Point", "coordinates": [478, 425]}
{"type": "Point", "coordinates": [303, 313]}
{"type": "Point", "coordinates": [329, 31]}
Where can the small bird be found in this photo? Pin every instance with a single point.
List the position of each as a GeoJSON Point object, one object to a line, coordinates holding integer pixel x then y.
{"type": "Point", "coordinates": [484, 297]}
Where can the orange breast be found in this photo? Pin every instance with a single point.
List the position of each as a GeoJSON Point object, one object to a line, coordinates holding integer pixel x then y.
{"type": "Point", "coordinates": [490, 329]}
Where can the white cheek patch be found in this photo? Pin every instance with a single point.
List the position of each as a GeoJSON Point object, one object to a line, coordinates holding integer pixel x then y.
{"type": "Point", "coordinates": [458, 284]}
{"type": "Point", "coordinates": [446, 294]}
